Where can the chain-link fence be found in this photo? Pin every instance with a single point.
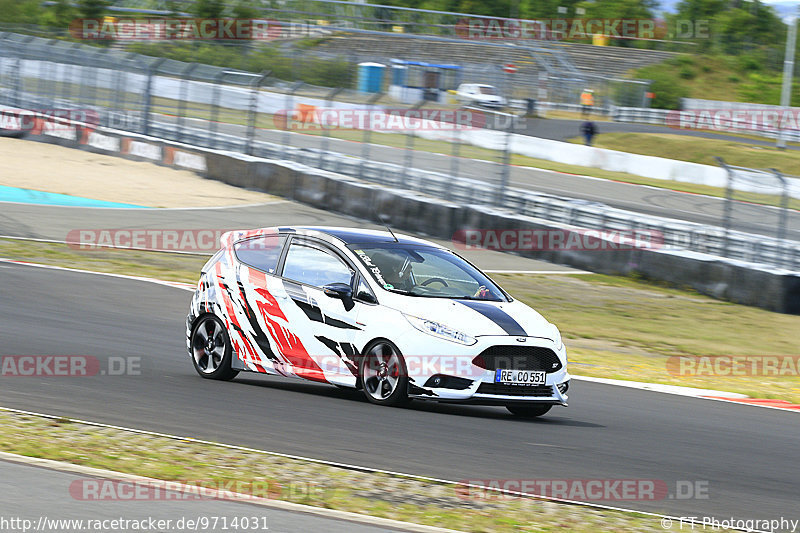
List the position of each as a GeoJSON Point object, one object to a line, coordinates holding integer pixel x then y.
{"type": "Point", "coordinates": [747, 191]}
{"type": "Point", "coordinates": [262, 115]}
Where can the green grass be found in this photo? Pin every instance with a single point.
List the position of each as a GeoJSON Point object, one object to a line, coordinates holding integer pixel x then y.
{"type": "Point", "coordinates": [701, 150]}
{"type": "Point", "coordinates": [298, 481]}
{"type": "Point", "coordinates": [743, 78]}
{"type": "Point", "coordinates": [614, 327]}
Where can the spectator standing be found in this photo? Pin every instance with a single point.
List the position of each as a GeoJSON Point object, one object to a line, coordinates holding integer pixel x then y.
{"type": "Point", "coordinates": [589, 130]}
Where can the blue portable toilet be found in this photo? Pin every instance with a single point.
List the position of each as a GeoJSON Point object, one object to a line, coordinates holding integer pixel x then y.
{"type": "Point", "coordinates": [370, 77]}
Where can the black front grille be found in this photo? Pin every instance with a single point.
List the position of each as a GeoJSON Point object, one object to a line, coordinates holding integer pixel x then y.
{"type": "Point", "coordinates": [518, 358]}
{"type": "Point", "coordinates": [516, 390]}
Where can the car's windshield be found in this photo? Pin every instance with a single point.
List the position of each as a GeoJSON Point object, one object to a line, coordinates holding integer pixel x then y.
{"type": "Point", "coordinates": [425, 271]}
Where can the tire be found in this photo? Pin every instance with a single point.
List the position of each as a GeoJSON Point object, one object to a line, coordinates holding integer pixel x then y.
{"type": "Point", "coordinates": [529, 411]}
{"type": "Point", "coordinates": [383, 374]}
{"type": "Point", "coordinates": [211, 349]}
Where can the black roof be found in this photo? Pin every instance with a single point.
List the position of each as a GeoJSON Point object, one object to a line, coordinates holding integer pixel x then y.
{"type": "Point", "coordinates": [356, 236]}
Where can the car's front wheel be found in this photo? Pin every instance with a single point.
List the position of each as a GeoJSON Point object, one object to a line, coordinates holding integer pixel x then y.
{"type": "Point", "coordinates": [528, 410]}
{"type": "Point", "coordinates": [211, 349]}
{"type": "Point", "coordinates": [383, 372]}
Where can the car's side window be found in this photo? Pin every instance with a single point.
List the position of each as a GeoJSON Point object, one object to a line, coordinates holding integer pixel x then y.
{"type": "Point", "coordinates": [316, 267]}
{"type": "Point", "coordinates": [261, 252]}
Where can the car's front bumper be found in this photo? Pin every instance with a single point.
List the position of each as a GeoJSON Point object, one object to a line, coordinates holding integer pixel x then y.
{"type": "Point", "coordinates": [482, 388]}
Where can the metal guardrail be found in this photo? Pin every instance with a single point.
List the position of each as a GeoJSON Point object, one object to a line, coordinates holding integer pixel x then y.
{"type": "Point", "coordinates": [64, 80]}
{"type": "Point", "coordinates": [677, 235]}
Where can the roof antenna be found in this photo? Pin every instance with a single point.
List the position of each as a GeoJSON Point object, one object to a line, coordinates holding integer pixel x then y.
{"type": "Point", "coordinates": [381, 221]}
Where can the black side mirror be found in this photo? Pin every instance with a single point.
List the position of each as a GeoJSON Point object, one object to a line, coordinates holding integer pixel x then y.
{"type": "Point", "coordinates": [366, 297]}
{"type": "Point", "coordinates": [340, 291]}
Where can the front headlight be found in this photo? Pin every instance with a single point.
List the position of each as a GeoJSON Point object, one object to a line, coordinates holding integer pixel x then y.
{"type": "Point", "coordinates": [440, 330]}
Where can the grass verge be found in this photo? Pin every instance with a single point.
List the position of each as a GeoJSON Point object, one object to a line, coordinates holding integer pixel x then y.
{"type": "Point", "coordinates": [299, 481]}
{"type": "Point", "coordinates": [702, 150]}
{"type": "Point", "coordinates": [614, 327]}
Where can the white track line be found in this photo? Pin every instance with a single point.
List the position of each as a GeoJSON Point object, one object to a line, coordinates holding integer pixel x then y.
{"type": "Point", "coordinates": [173, 284]}
{"type": "Point", "coordinates": [656, 387]}
{"type": "Point", "coordinates": [346, 466]}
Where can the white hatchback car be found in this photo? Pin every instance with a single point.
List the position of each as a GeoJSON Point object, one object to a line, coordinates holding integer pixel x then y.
{"type": "Point", "coordinates": [479, 94]}
{"type": "Point", "coordinates": [398, 317]}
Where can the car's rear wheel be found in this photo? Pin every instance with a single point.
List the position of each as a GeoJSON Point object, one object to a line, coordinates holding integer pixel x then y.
{"type": "Point", "coordinates": [383, 373]}
{"type": "Point", "coordinates": [211, 349]}
{"type": "Point", "coordinates": [529, 410]}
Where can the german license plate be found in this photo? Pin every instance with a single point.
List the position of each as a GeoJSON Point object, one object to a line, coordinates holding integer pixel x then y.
{"type": "Point", "coordinates": [519, 377]}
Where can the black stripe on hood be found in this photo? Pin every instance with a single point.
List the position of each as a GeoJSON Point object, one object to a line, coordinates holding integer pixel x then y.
{"type": "Point", "coordinates": [496, 315]}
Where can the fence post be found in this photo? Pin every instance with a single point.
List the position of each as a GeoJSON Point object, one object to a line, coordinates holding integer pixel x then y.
{"type": "Point", "coordinates": [212, 125]}
{"type": "Point", "coordinates": [455, 154]}
{"type": "Point", "coordinates": [408, 158]}
{"type": "Point", "coordinates": [365, 144]}
{"type": "Point", "coordinates": [185, 73]}
{"type": "Point", "coordinates": [252, 112]}
{"type": "Point", "coordinates": [784, 209]}
{"type": "Point", "coordinates": [505, 166]}
{"type": "Point", "coordinates": [728, 207]}
{"type": "Point", "coordinates": [326, 131]}
{"type": "Point", "coordinates": [148, 93]}
{"type": "Point", "coordinates": [289, 103]}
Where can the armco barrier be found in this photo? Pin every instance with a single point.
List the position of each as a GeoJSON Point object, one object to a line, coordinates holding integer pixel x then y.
{"type": "Point", "coordinates": [725, 279]}
{"type": "Point", "coordinates": [740, 282]}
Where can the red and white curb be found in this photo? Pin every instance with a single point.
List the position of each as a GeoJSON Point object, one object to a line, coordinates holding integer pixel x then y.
{"type": "Point", "coordinates": [703, 394]}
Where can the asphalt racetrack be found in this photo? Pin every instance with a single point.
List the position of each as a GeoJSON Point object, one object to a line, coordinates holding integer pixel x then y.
{"type": "Point", "coordinates": [745, 456]}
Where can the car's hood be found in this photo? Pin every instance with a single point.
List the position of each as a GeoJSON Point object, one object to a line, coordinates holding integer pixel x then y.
{"type": "Point", "coordinates": [477, 317]}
